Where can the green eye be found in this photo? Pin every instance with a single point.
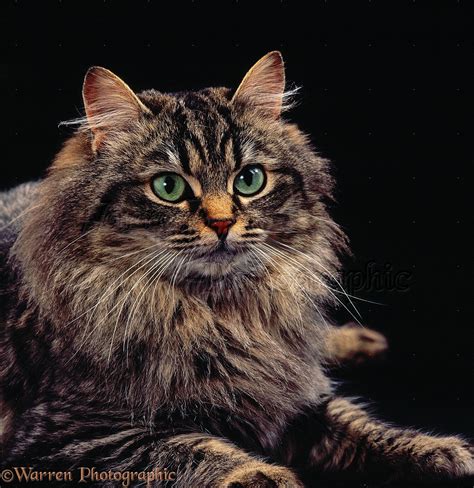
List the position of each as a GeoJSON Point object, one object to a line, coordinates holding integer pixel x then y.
{"type": "Point", "coordinates": [250, 181]}
{"type": "Point", "coordinates": [169, 186]}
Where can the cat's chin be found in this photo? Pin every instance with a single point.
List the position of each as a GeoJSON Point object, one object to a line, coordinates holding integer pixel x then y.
{"type": "Point", "coordinates": [219, 263]}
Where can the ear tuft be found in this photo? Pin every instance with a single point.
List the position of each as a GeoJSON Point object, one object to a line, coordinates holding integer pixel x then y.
{"type": "Point", "coordinates": [109, 102]}
{"type": "Point", "coordinates": [264, 85]}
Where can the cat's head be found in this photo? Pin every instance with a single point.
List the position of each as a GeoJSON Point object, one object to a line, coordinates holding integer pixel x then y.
{"type": "Point", "coordinates": [193, 189]}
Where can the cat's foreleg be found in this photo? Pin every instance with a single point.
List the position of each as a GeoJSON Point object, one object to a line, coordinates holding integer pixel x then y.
{"type": "Point", "coordinates": [348, 439]}
{"type": "Point", "coordinates": [184, 460]}
{"type": "Point", "coordinates": [215, 462]}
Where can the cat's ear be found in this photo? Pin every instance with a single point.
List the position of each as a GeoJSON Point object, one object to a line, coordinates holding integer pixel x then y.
{"type": "Point", "coordinates": [264, 85]}
{"type": "Point", "coordinates": [109, 103]}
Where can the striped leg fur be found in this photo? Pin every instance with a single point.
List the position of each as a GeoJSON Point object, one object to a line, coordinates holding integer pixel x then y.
{"type": "Point", "coordinates": [106, 442]}
{"type": "Point", "coordinates": [349, 440]}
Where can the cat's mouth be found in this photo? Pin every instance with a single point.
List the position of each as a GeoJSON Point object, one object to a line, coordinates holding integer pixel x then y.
{"type": "Point", "coordinates": [217, 264]}
{"type": "Point", "coordinates": [218, 260]}
{"type": "Point", "coordinates": [215, 261]}
{"type": "Point", "coordinates": [223, 252]}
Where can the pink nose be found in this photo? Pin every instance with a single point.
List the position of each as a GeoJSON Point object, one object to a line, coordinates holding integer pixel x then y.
{"type": "Point", "coordinates": [220, 226]}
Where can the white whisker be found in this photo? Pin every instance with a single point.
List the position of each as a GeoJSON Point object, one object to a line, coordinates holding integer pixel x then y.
{"type": "Point", "coordinates": [84, 337]}
{"type": "Point", "coordinates": [318, 263]}
{"type": "Point", "coordinates": [104, 296]}
{"type": "Point", "coordinates": [153, 267]}
{"type": "Point", "coordinates": [311, 277]}
{"type": "Point", "coordinates": [157, 268]}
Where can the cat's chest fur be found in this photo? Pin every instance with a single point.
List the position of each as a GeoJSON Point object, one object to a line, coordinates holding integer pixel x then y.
{"type": "Point", "coordinates": [195, 350]}
{"type": "Point", "coordinates": [245, 369]}
{"type": "Point", "coordinates": [235, 363]}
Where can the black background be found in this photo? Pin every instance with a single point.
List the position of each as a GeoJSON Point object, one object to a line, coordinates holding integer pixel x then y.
{"type": "Point", "coordinates": [386, 95]}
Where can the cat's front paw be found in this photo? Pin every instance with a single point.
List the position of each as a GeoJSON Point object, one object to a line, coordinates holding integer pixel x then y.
{"type": "Point", "coordinates": [261, 475]}
{"type": "Point", "coordinates": [446, 457]}
{"type": "Point", "coordinates": [352, 343]}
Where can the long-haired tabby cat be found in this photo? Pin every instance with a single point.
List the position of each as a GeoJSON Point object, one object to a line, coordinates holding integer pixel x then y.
{"type": "Point", "coordinates": [164, 300]}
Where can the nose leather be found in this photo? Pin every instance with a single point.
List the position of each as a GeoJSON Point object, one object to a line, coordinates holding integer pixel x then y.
{"type": "Point", "coordinates": [221, 226]}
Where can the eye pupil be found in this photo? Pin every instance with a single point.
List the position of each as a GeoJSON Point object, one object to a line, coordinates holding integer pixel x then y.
{"type": "Point", "coordinates": [169, 184]}
{"type": "Point", "coordinates": [248, 177]}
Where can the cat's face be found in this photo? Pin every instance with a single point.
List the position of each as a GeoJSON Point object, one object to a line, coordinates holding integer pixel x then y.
{"type": "Point", "coordinates": [206, 182]}
{"type": "Point", "coordinates": [189, 187]}
{"type": "Point", "coordinates": [208, 189]}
